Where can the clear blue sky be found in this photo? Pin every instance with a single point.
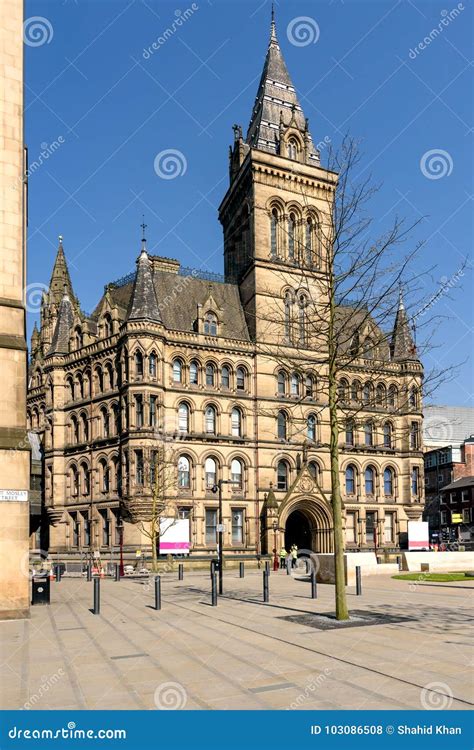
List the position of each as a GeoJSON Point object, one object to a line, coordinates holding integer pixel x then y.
{"type": "Point", "coordinates": [111, 108]}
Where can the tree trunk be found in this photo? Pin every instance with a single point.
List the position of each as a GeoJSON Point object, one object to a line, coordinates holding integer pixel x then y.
{"type": "Point", "coordinates": [342, 613]}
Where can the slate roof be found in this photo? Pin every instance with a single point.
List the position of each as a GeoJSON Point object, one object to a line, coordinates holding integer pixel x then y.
{"type": "Point", "coordinates": [459, 484]}
{"type": "Point", "coordinates": [402, 345]}
{"type": "Point", "coordinates": [60, 340]}
{"type": "Point", "coordinates": [143, 302]}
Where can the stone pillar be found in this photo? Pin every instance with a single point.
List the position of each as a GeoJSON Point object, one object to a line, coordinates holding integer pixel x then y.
{"type": "Point", "coordinates": [14, 446]}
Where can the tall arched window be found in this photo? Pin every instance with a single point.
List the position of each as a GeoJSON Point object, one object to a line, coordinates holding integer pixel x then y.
{"type": "Point", "coordinates": [183, 418]}
{"type": "Point", "coordinates": [75, 430]}
{"type": "Point", "coordinates": [210, 470]}
{"type": "Point", "coordinates": [302, 305]}
{"type": "Point", "coordinates": [108, 328]}
{"type": "Point", "coordinates": [295, 384]}
{"type": "Point", "coordinates": [210, 374]}
{"type": "Point", "coordinates": [288, 304]}
{"type": "Point", "coordinates": [387, 435]}
{"type": "Point", "coordinates": [342, 390]}
{"type": "Point", "coordinates": [85, 427]}
{"type": "Point", "coordinates": [210, 324]}
{"type": "Point", "coordinates": [367, 394]}
{"type": "Point", "coordinates": [381, 395]}
{"type": "Point", "coordinates": [281, 383]}
{"type": "Point", "coordinates": [368, 434]}
{"type": "Point", "coordinates": [282, 425]}
{"type": "Point", "coordinates": [349, 432]}
{"type": "Point", "coordinates": [138, 363]}
{"type": "Point", "coordinates": [86, 479]}
{"type": "Point", "coordinates": [184, 472]}
{"type": "Point", "coordinates": [152, 365]}
{"type": "Point", "coordinates": [350, 480]}
{"type": "Point", "coordinates": [177, 371]}
{"type": "Point", "coordinates": [210, 420]}
{"type": "Point", "coordinates": [236, 473]}
{"type": "Point", "coordinates": [308, 243]}
{"type": "Point", "coordinates": [292, 149]}
{"type": "Point", "coordinates": [415, 480]}
{"type": "Point", "coordinates": [99, 379]}
{"type": "Point", "coordinates": [313, 469]}
{"type": "Point", "coordinates": [75, 480]}
{"type": "Point", "coordinates": [388, 481]}
{"type": "Point", "coordinates": [225, 377]}
{"type": "Point", "coordinates": [309, 386]}
{"type": "Point", "coordinates": [282, 475]}
{"type": "Point", "coordinates": [105, 422]}
{"type": "Point", "coordinates": [236, 422]}
{"type": "Point", "coordinates": [355, 390]}
{"type": "Point", "coordinates": [274, 233]}
{"type": "Point", "coordinates": [311, 424]}
{"type": "Point", "coordinates": [413, 398]}
{"type": "Point", "coordinates": [291, 236]}
{"type": "Point", "coordinates": [392, 396]}
{"type": "Point", "coordinates": [194, 372]}
{"type": "Point", "coordinates": [369, 481]}
{"type": "Point", "coordinates": [240, 374]}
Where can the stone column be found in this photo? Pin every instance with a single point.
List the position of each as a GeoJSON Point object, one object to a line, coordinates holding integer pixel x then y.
{"type": "Point", "coordinates": [14, 445]}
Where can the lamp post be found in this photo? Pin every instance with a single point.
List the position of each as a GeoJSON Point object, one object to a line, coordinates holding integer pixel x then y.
{"type": "Point", "coordinates": [120, 531]}
{"type": "Point", "coordinates": [275, 551]}
{"type": "Point", "coordinates": [220, 528]}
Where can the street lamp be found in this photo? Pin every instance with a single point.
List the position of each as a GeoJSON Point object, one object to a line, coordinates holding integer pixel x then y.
{"type": "Point", "coordinates": [119, 526]}
{"type": "Point", "coordinates": [275, 553]}
{"type": "Point", "coordinates": [220, 528]}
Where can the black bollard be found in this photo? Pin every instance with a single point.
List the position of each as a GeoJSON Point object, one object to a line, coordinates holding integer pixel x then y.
{"type": "Point", "coordinates": [314, 588]}
{"type": "Point", "coordinates": [117, 572]}
{"type": "Point", "coordinates": [58, 574]}
{"type": "Point", "coordinates": [241, 569]}
{"type": "Point", "coordinates": [96, 610]}
{"type": "Point", "coordinates": [358, 581]}
{"type": "Point", "coordinates": [266, 591]}
{"type": "Point", "coordinates": [89, 572]}
{"type": "Point", "coordinates": [180, 572]}
{"type": "Point", "coordinates": [267, 566]}
{"type": "Point", "coordinates": [214, 590]}
{"type": "Point", "coordinates": [213, 567]}
{"type": "Point", "coordinates": [157, 592]}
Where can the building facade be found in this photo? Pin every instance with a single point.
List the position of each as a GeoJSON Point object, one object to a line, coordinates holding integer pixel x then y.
{"type": "Point", "coordinates": [457, 513]}
{"type": "Point", "coordinates": [177, 380]}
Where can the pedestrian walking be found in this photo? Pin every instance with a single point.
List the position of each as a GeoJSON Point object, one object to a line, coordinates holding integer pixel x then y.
{"type": "Point", "coordinates": [294, 555]}
{"type": "Point", "coordinates": [283, 554]}
{"type": "Point", "coordinates": [288, 561]}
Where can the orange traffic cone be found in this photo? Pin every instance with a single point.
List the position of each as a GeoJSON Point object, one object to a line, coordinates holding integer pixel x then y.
{"type": "Point", "coordinates": [51, 574]}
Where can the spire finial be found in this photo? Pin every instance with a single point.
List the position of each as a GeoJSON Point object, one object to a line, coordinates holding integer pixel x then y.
{"type": "Point", "coordinates": [273, 36]}
{"type": "Point", "coordinates": [60, 238]}
{"type": "Point", "coordinates": [143, 226]}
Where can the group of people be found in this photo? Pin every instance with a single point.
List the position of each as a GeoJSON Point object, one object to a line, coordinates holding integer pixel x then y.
{"type": "Point", "coordinates": [288, 559]}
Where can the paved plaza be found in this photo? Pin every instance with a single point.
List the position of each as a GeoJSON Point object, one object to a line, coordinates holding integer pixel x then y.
{"type": "Point", "coordinates": [408, 646]}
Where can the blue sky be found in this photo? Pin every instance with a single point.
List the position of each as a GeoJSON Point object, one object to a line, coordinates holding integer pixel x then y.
{"type": "Point", "coordinates": [104, 107]}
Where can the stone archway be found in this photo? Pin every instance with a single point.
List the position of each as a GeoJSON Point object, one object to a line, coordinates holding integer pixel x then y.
{"type": "Point", "coordinates": [307, 522]}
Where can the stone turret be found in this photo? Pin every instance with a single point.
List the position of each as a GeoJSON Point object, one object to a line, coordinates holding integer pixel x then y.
{"type": "Point", "coordinates": [144, 304]}
{"type": "Point", "coordinates": [402, 345]}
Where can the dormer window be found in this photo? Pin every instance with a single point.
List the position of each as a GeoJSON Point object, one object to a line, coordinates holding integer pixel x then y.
{"type": "Point", "coordinates": [210, 324]}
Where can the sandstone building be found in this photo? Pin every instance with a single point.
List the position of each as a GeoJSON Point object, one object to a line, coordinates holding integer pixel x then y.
{"type": "Point", "coordinates": [187, 366]}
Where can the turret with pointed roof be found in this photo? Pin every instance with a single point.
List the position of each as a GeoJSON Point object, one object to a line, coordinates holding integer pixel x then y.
{"type": "Point", "coordinates": [402, 345]}
{"type": "Point", "coordinates": [277, 107]}
{"type": "Point", "coordinates": [143, 303]}
{"type": "Point", "coordinates": [62, 330]}
{"type": "Point", "coordinates": [60, 279]}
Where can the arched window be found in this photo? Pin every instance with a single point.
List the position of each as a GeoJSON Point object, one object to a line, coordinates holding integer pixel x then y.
{"type": "Point", "coordinates": [350, 480]}
{"type": "Point", "coordinates": [355, 390]}
{"type": "Point", "coordinates": [236, 473]}
{"type": "Point", "coordinates": [75, 480]}
{"type": "Point", "coordinates": [295, 384]}
{"type": "Point", "coordinates": [78, 338]}
{"type": "Point", "coordinates": [210, 324]}
{"type": "Point", "coordinates": [291, 236]}
{"type": "Point", "coordinates": [183, 418]}
{"type": "Point", "coordinates": [281, 383]}
{"type": "Point", "coordinates": [116, 418]}
{"type": "Point", "coordinates": [108, 328]}
{"type": "Point", "coordinates": [210, 470]}
{"type": "Point", "coordinates": [240, 376]}
{"type": "Point", "coordinates": [309, 386]}
{"type": "Point", "coordinates": [152, 365]}
{"type": "Point", "coordinates": [210, 374]}
{"type": "Point", "coordinates": [381, 395]}
{"type": "Point", "coordinates": [70, 388]}
{"type": "Point", "coordinates": [138, 363]}
{"type": "Point", "coordinates": [225, 377]}
{"type": "Point", "coordinates": [80, 385]}
{"type": "Point", "coordinates": [302, 305]}
{"type": "Point", "coordinates": [308, 244]}
{"type": "Point", "coordinates": [292, 149]}
{"type": "Point", "coordinates": [282, 475]}
{"type": "Point", "coordinates": [415, 480]}
{"type": "Point", "coordinates": [184, 472]}
{"type": "Point", "coordinates": [110, 375]}
{"type": "Point", "coordinates": [282, 425]}
{"type": "Point", "coordinates": [349, 432]}
{"type": "Point", "coordinates": [387, 435]}
{"type": "Point", "coordinates": [177, 371]}
{"type": "Point", "coordinates": [86, 479]}
{"type": "Point", "coordinates": [210, 420]}
{"type": "Point", "coordinates": [236, 422]}
{"type": "Point", "coordinates": [274, 233]}
{"type": "Point", "coordinates": [99, 379]}
{"type": "Point", "coordinates": [342, 390]}
{"type": "Point", "coordinates": [311, 424]}
{"type": "Point", "coordinates": [105, 422]}
{"type": "Point", "coordinates": [85, 428]}
{"type": "Point", "coordinates": [413, 398]}
{"type": "Point", "coordinates": [392, 396]}
{"type": "Point", "coordinates": [368, 434]}
{"type": "Point", "coordinates": [288, 304]}
{"type": "Point", "coordinates": [105, 475]}
{"type": "Point", "coordinates": [194, 372]}
{"type": "Point", "coordinates": [313, 469]}
{"type": "Point", "coordinates": [388, 481]}
{"type": "Point", "coordinates": [75, 430]}
{"type": "Point", "coordinates": [367, 394]}
{"type": "Point", "coordinates": [369, 481]}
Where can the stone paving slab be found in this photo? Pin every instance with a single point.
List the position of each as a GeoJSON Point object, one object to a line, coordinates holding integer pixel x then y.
{"type": "Point", "coordinates": [243, 653]}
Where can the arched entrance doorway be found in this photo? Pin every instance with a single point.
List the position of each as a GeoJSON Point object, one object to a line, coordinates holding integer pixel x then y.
{"type": "Point", "coordinates": [298, 531]}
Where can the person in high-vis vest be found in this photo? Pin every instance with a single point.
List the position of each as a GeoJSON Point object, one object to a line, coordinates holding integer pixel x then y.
{"type": "Point", "coordinates": [283, 554]}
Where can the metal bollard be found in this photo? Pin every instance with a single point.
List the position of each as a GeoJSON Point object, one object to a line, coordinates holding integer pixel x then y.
{"type": "Point", "coordinates": [180, 572]}
{"type": "Point", "coordinates": [358, 581]}
{"type": "Point", "coordinates": [266, 588]}
{"type": "Point", "coordinates": [214, 590]}
{"type": "Point", "coordinates": [213, 567]}
{"type": "Point", "coordinates": [241, 569]}
{"type": "Point", "coordinates": [314, 587]}
{"type": "Point", "coordinates": [96, 609]}
{"type": "Point", "coordinates": [58, 574]}
{"type": "Point", "coordinates": [117, 572]}
{"type": "Point", "coordinates": [157, 592]}
{"type": "Point", "coordinates": [399, 562]}
{"type": "Point", "coordinates": [267, 566]}
{"type": "Point", "coordinates": [89, 572]}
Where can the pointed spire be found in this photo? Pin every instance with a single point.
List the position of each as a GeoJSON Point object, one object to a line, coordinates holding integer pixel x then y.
{"type": "Point", "coordinates": [402, 345]}
{"type": "Point", "coordinates": [62, 330]}
{"type": "Point", "coordinates": [60, 278]}
{"type": "Point", "coordinates": [276, 105]}
{"type": "Point", "coordinates": [144, 304]}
